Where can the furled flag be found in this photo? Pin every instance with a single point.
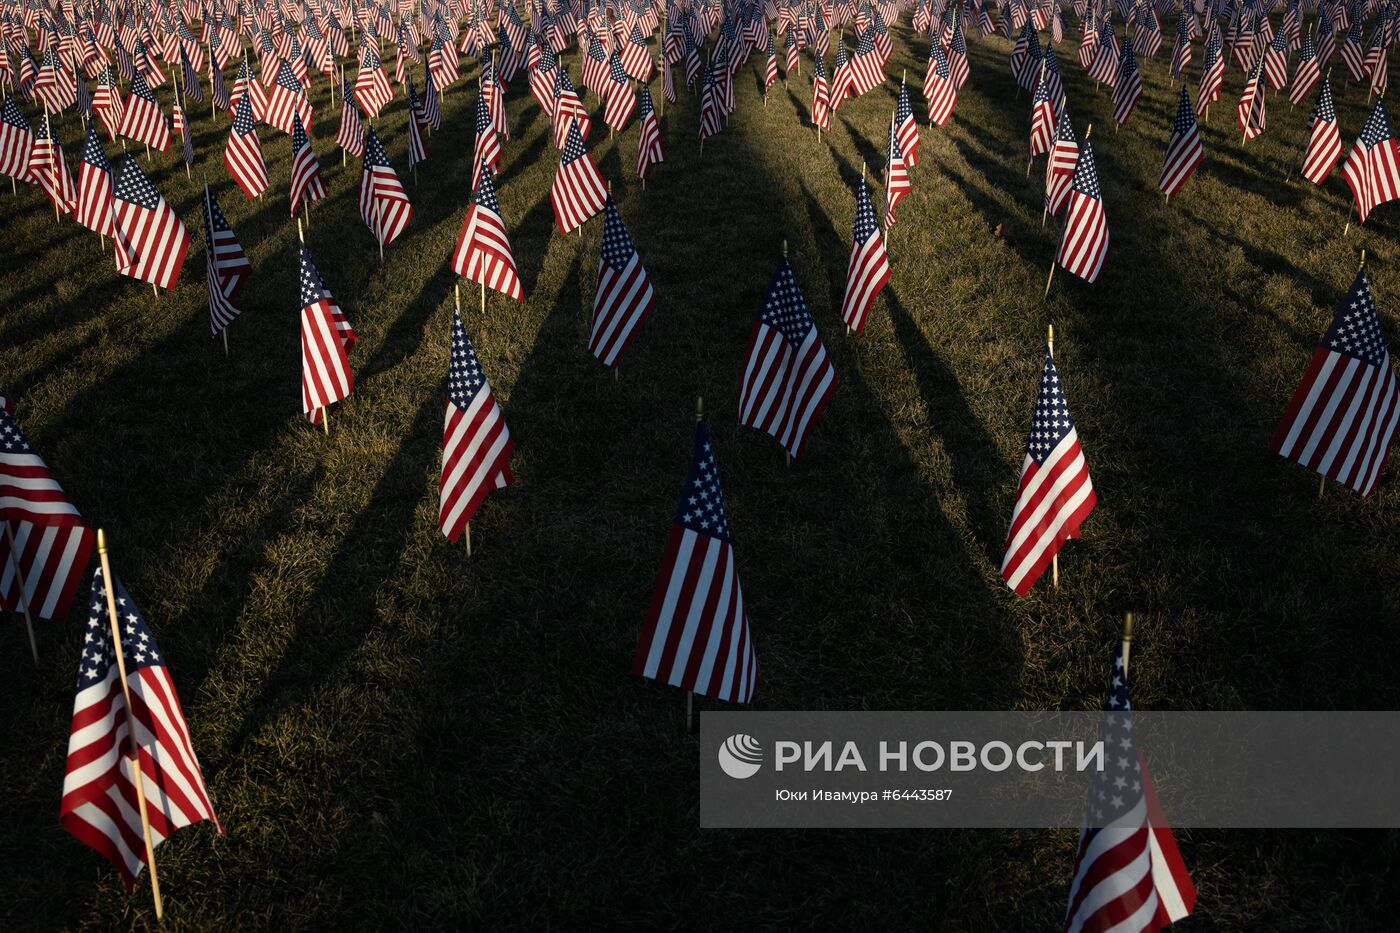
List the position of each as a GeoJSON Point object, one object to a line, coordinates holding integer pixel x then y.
{"type": "Point", "coordinates": [227, 265]}
{"type": "Point", "coordinates": [1042, 120]}
{"type": "Point", "coordinates": [384, 204]}
{"type": "Point", "coordinates": [896, 176]}
{"type": "Point", "coordinates": [905, 126]}
{"type": "Point", "coordinates": [649, 148]}
{"type": "Point", "coordinates": [788, 378]}
{"type": "Point", "coordinates": [568, 110]}
{"type": "Point", "coordinates": [350, 134]}
{"type": "Point", "coordinates": [1325, 141]}
{"type": "Point", "coordinates": [417, 152]}
{"type": "Point", "coordinates": [495, 95]}
{"type": "Point", "coordinates": [16, 141]}
{"type": "Point", "coordinates": [1353, 56]}
{"type": "Point", "coordinates": [1184, 151]}
{"type": "Point", "coordinates": [624, 298]}
{"type": "Point", "coordinates": [1250, 113]}
{"type": "Point", "coordinates": [151, 240]}
{"type": "Point", "coordinates": [621, 101]}
{"type": "Point", "coordinates": [1055, 493]}
{"type": "Point", "coordinates": [1128, 871]}
{"type": "Point", "coordinates": [696, 634]}
{"type": "Point", "coordinates": [821, 95]}
{"type": "Point", "coordinates": [1342, 419]}
{"type": "Point", "coordinates": [868, 270]}
{"type": "Point", "coordinates": [711, 106]}
{"type": "Point", "coordinates": [326, 341]}
{"type": "Point", "coordinates": [243, 155]}
{"type": "Point", "coordinates": [287, 100]}
{"type": "Point", "coordinates": [770, 69]}
{"type": "Point", "coordinates": [1181, 51]}
{"type": "Point", "coordinates": [840, 77]}
{"type": "Point", "coordinates": [578, 191]}
{"type": "Point", "coordinates": [51, 543]}
{"type": "Point", "coordinates": [49, 171]}
{"type": "Point", "coordinates": [1212, 71]}
{"type": "Point", "coordinates": [430, 113]}
{"type": "Point", "coordinates": [143, 120]}
{"type": "Point", "coordinates": [1326, 40]}
{"type": "Point", "coordinates": [99, 806]}
{"type": "Point", "coordinates": [95, 187]}
{"type": "Point", "coordinates": [1085, 242]}
{"type": "Point", "coordinates": [1059, 168]}
{"type": "Point", "coordinates": [1128, 88]}
{"type": "Point", "coordinates": [306, 171]}
{"type": "Point", "coordinates": [1306, 75]}
{"type": "Point", "coordinates": [483, 251]}
{"type": "Point", "coordinates": [372, 89]}
{"type": "Point", "coordinates": [476, 444]}
{"type": "Point", "coordinates": [940, 90]}
{"type": "Point", "coordinates": [487, 150]}
{"type": "Point", "coordinates": [108, 105]}
{"type": "Point", "coordinates": [186, 142]}
{"type": "Point", "coordinates": [1372, 170]}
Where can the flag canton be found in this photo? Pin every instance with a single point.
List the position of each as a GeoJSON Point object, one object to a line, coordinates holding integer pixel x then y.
{"type": "Point", "coordinates": [1185, 115]}
{"type": "Point", "coordinates": [818, 68]}
{"type": "Point", "coordinates": [134, 187]}
{"type": "Point", "coordinates": [44, 132]}
{"type": "Point", "coordinates": [940, 60]}
{"type": "Point", "coordinates": [617, 248]}
{"type": "Point", "coordinates": [644, 103]}
{"type": "Point", "coordinates": [375, 156]}
{"type": "Point", "coordinates": [701, 507]}
{"type": "Point", "coordinates": [784, 307]}
{"type": "Point", "coordinates": [1052, 62]}
{"type": "Point", "coordinates": [1308, 51]}
{"type": "Point", "coordinates": [595, 49]}
{"type": "Point", "coordinates": [1042, 92]}
{"type": "Point", "coordinates": [1117, 789]}
{"type": "Point", "coordinates": [1128, 65]}
{"type": "Point", "coordinates": [841, 53]}
{"type": "Point", "coordinates": [548, 61]}
{"type": "Point", "coordinates": [245, 75]}
{"type": "Point", "coordinates": [562, 82]}
{"type": "Point", "coordinates": [140, 89]}
{"type": "Point", "coordinates": [216, 216]}
{"type": "Point", "coordinates": [866, 43]}
{"type": "Point", "coordinates": [464, 376]}
{"type": "Point", "coordinates": [1086, 176]}
{"type": "Point", "coordinates": [12, 439]}
{"type": "Point", "coordinates": [286, 79]}
{"type": "Point", "coordinates": [865, 215]}
{"type": "Point", "coordinates": [139, 648]}
{"type": "Point", "coordinates": [1051, 421]}
{"type": "Point", "coordinates": [485, 194]}
{"type": "Point", "coordinates": [93, 153]}
{"type": "Point", "coordinates": [1377, 129]}
{"type": "Point", "coordinates": [573, 146]}
{"type": "Point", "coordinates": [1212, 49]}
{"type": "Point", "coordinates": [615, 69]}
{"type": "Point", "coordinates": [903, 110]}
{"type": "Point", "coordinates": [370, 59]}
{"type": "Point", "coordinates": [1325, 110]}
{"type": "Point", "coordinates": [243, 117]}
{"type": "Point", "coordinates": [299, 140]}
{"type": "Point", "coordinates": [312, 288]}
{"type": "Point", "coordinates": [1356, 330]}
{"type": "Point", "coordinates": [483, 117]}
{"type": "Point", "coordinates": [893, 152]}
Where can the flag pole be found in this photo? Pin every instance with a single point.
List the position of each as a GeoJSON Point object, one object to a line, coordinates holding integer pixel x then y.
{"type": "Point", "coordinates": [1054, 558]}
{"type": "Point", "coordinates": [108, 585]}
{"type": "Point", "coordinates": [53, 163]}
{"type": "Point", "coordinates": [209, 212]}
{"type": "Point", "coordinates": [1127, 640]}
{"type": "Point", "coordinates": [23, 596]}
{"type": "Point", "coordinates": [690, 695]}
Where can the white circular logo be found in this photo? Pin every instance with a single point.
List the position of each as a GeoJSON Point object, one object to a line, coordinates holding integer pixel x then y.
{"type": "Point", "coordinates": [740, 756]}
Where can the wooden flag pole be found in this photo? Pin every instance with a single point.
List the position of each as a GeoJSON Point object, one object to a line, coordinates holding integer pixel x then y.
{"type": "Point", "coordinates": [108, 585]}
{"type": "Point", "coordinates": [53, 163]}
{"type": "Point", "coordinates": [1031, 160]}
{"type": "Point", "coordinates": [690, 695]}
{"type": "Point", "coordinates": [23, 596]}
{"type": "Point", "coordinates": [1054, 558]}
{"type": "Point", "coordinates": [787, 453]}
{"type": "Point", "coordinates": [1127, 640]}
{"type": "Point", "coordinates": [209, 212]}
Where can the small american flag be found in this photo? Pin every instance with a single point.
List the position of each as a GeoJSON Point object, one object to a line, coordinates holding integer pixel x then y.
{"type": "Point", "coordinates": [896, 176]}
{"type": "Point", "coordinates": [905, 126]}
{"type": "Point", "coordinates": [227, 265]}
{"type": "Point", "coordinates": [621, 101]}
{"type": "Point", "coordinates": [867, 70]}
{"type": "Point", "coordinates": [821, 99]}
{"type": "Point", "coordinates": [384, 204]}
{"type": "Point", "coordinates": [495, 95]}
{"type": "Point", "coordinates": [417, 152]}
{"type": "Point", "coordinates": [48, 169]}
{"type": "Point", "coordinates": [1055, 493]}
{"type": "Point", "coordinates": [624, 298]}
{"type": "Point", "coordinates": [1353, 56]}
{"type": "Point", "coordinates": [1105, 65]}
{"type": "Point", "coordinates": [350, 134]}
{"type": "Point", "coordinates": [788, 378]}
{"type": "Point", "coordinates": [1181, 51]}
{"type": "Point", "coordinates": [710, 105]}
{"type": "Point", "coordinates": [1325, 139]}
{"type": "Point", "coordinates": [483, 252]}
{"type": "Point", "coordinates": [476, 444]}
{"type": "Point", "coordinates": [243, 155]}
{"type": "Point", "coordinates": [696, 634]}
{"type": "Point", "coordinates": [95, 187]}
{"type": "Point", "coordinates": [1128, 88]}
{"type": "Point", "coordinates": [1306, 75]}
{"type": "Point", "coordinates": [487, 150]}
{"type": "Point", "coordinates": [108, 105]}
{"type": "Point", "coordinates": [1085, 242]}
{"type": "Point", "coordinates": [650, 151]}
{"type": "Point", "coordinates": [868, 270]}
{"type": "Point", "coordinates": [1372, 170]}
{"type": "Point", "coordinates": [1250, 112]}
{"type": "Point", "coordinates": [306, 171]}
{"type": "Point", "coordinates": [99, 805]}
{"type": "Point", "coordinates": [142, 119]}
{"type": "Point", "coordinates": [1184, 152]}
{"type": "Point", "coordinates": [16, 141]}
{"type": "Point", "coordinates": [940, 90]}
{"type": "Point", "coordinates": [186, 143]}
{"type": "Point", "coordinates": [578, 191]}
{"type": "Point", "coordinates": [1342, 419]}
{"type": "Point", "coordinates": [372, 89]}
{"type": "Point", "coordinates": [1042, 120]}
{"type": "Point", "coordinates": [1212, 70]}
{"type": "Point", "coordinates": [287, 100]}
{"type": "Point", "coordinates": [442, 62]}
{"type": "Point", "coordinates": [151, 240]}
{"type": "Point", "coordinates": [326, 341]}
{"type": "Point", "coordinates": [245, 86]}
{"type": "Point", "coordinates": [51, 544]}
{"type": "Point", "coordinates": [568, 110]}
{"type": "Point", "coordinates": [430, 115]}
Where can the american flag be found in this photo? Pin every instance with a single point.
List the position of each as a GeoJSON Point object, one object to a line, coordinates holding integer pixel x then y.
{"type": "Point", "coordinates": [595, 67]}
{"type": "Point", "coordinates": [372, 89]}
{"type": "Point", "coordinates": [1342, 419]}
{"type": "Point", "coordinates": [1055, 494]}
{"type": "Point", "coordinates": [1276, 62]}
{"type": "Point", "coordinates": [1184, 152]}
{"type": "Point", "coordinates": [16, 141]}
{"type": "Point", "coordinates": [1250, 113]}
{"type": "Point", "coordinates": [108, 105]}
{"type": "Point", "coordinates": [1128, 872]}
{"type": "Point", "coordinates": [417, 152]}
{"type": "Point", "coordinates": [51, 544]}
{"type": "Point", "coordinates": [1212, 71]}
{"type": "Point", "coordinates": [99, 806]}
{"type": "Point", "coordinates": [142, 119]}
{"type": "Point", "coordinates": [1372, 170]}
{"type": "Point", "coordinates": [1326, 40]}
{"type": "Point", "coordinates": [487, 150]}
{"type": "Point", "coordinates": [151, 240]}
{"type": "Point", "coordinates": [957, 55]}
{"type": "Point", "coordinates": [770, 68]}
{"type": "Point", "coordinates": [243, 155]}
{"type": "Point", "coordinates": [49, 171]}
{"type": "Point", "coordinates": [905, 126]}
{"type": "Point", "coordinates": [245, 86]}
{"type": "Point", "coordinates": [567, 110]}
{"type": "Point", "coordinates": [624, 298]}
{"type": "Point", "coordinates": [868, 270]}
{"type": "Point", "coordinates": [55, 86]}
{"type": "Point", "coordinates": [186, 142]}
{"type": "Point", "coordinates": [442, 62]}
{"type": "Point", "coordinates": [1105, 66]}
{"type": "Point", "coordinates": [1353, 56]}
{"type": "Point", "coordinates": [896, 176]}
{"type": "Point", "coordinates": [1325, 141]}
{"type": "Point", "coordinates": [1042, 120]}
{"type": "Point", "coordinates": [788, 378]}
{"type": "Point", "coordinates": [696, 634]}
{"type": "Point", "coordinates": [650, 151]}
{"type": "Point", "coordinates": [306, 171]}
{"type": "Point", "coordinates": [430, 116]}
{"type": "Point", "coordinates": [621, 101]}
{"type": "Point", "coordinates": [1306, 75]}
{"type": "Point", "coordinates": [636, 57]}
{"type": "Point", "coordinates": [821, 99]}
{"type": "Point", "coordinates": [287, 100]}
{"type": "Point", "coordinates": [191, 88]}
{"type": "Point", "coordinates": [940, 90]}
{"type": "Point", "coordinates": [384, 204]}
{"type": "Point", "coordinates": [483, 252]}
{"type": "Point", "coordinates": [495, 95]}
{"type": "Point", "coordinates": [95, 187]}
{"type": "Point", "coordinates": [840, 77]}
{"type": "Point", "coordinates": [1085, 242]}
{"type": "Point", "coordinates": [350, 134]}
{"type": "Point", "coordinates": [1128, 88]}
{"type": "Point", "coordinates": [476, 443]}
{"type": "Point", "coordinates": [227, 265]}
{"type": "Point", "coordinates": [1181, 51]}
{"type": "Point", "coordinates": [326, 341]}
{"type": "Point", "coordinates": [577, 192]}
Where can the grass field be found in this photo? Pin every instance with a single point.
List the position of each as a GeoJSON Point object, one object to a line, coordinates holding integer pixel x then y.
{"type": "Point", "coordinates": [396, 735]}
